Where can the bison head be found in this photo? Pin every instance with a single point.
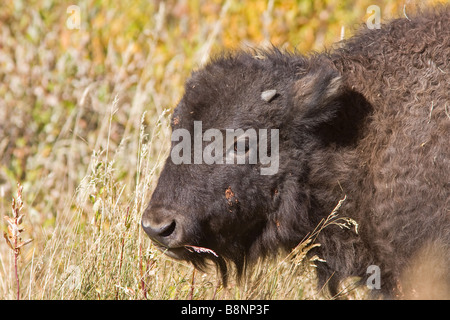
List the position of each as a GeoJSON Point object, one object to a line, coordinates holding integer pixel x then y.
{"type": "Point", "coordinates": [236, 180]}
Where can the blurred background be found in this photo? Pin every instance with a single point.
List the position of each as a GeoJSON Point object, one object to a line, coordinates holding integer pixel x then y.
{"type": "Point", "coordinates": [87, 87]}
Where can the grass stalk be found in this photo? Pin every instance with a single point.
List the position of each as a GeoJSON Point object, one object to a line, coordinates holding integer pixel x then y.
{"type": "Point", "coordinates": [12, 237]}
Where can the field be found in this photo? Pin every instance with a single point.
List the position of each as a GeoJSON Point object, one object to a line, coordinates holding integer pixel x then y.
{"type": "Point", "coordinates": [86, 94]}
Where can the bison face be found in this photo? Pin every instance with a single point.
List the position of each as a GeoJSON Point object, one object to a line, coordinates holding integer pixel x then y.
{"type": "Point", "coordinates": [234, 181]}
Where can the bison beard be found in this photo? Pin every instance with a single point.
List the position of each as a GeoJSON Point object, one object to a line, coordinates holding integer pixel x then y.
{"type": "Point", "coordinates": [368, 120]}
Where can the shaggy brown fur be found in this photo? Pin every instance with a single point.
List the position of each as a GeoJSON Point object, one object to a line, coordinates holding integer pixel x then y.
{"type": "Point", "coordinates": [369, 120]}
{"type": "Point", "coordinates": [404, 158]}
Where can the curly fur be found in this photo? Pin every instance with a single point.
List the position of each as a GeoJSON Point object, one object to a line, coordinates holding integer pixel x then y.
{"type": "Point", "coordinates": [369, 120]}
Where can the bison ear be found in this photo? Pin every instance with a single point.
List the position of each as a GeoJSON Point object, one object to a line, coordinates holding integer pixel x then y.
{"type": "Point", "coordinates": [316, 95]}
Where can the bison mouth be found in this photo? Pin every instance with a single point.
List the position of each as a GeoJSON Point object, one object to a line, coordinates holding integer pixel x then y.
{"type": "Point", "coordinates": [184, 252]}
{"type": "Point", "coordinates": [179, 253]}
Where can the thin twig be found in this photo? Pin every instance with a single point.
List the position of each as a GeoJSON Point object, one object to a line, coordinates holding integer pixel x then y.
{"type": "Point", "coordinates": [141, 270]}
{"type": "Point", "coordinates": [191, 292]}
{"type": "Point", "coordinates": [121, 248]}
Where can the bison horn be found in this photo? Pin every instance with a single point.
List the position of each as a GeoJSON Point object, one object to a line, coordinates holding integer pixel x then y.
{"type": "Point", "coordinates": [268, 95]}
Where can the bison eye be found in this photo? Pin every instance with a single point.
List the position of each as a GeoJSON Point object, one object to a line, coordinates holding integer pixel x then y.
{"type": "Point", "coordinates": [246, 143]}
{"type": "Point", "coordinates": [242, 147]}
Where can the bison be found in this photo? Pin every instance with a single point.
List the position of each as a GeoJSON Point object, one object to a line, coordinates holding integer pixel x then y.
{"type": "Point", "coordinates": [368, 120]}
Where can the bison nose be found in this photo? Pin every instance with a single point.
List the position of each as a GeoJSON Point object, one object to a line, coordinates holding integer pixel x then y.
{"type": "Point", "coordinates": [161, 226]}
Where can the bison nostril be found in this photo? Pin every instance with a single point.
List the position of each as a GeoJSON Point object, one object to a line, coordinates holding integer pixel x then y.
{"type": "Point", "coordinates": [167, 230]}
{"type": "Point", "coordinates": [162, 226]}
{"type": "Point", "coordinates": [163, 233]}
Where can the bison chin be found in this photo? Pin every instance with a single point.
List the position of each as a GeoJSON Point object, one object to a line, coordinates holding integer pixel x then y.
{"type": "Point", "coordinates": [199, 257]}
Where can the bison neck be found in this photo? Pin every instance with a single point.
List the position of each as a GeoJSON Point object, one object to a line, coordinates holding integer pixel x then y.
{"type": "Point", "coordinates": [337, 171]}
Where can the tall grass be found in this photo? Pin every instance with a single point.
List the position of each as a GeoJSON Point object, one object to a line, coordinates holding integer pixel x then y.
{"type": "Point", "coordinates": [85, 129]}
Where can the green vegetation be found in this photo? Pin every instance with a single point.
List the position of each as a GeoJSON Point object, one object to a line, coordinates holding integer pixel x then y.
{"type": "Point", "coordinates": [85, 129]}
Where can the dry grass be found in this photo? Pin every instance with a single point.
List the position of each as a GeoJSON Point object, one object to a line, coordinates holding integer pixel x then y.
{"type": "Point", "coordinates": [85, 129]}
{"type": "Point", "coordinates": [12, 237]}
